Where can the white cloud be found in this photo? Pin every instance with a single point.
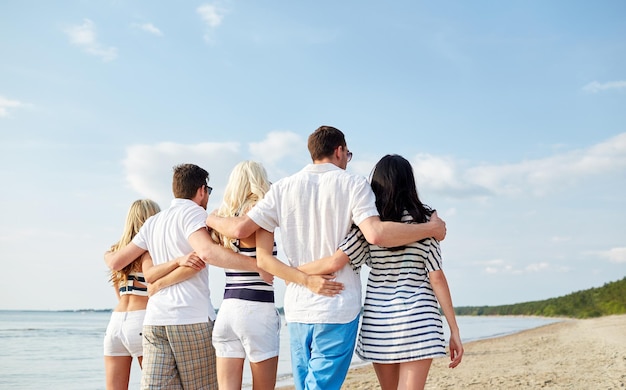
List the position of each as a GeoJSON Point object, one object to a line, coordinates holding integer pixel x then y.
{"type": "Point", "coordinates": [212, 16]}
{"type": "Point", "coordinates": [276, 146]}
{"type": "Point", "coordinates": [595, 87]}
{"type": "Point", "coordinates": [149, 167]}
{"type": "Point", "coordinates": [532, 177]}
{"type": "Point", "coordinates": [84, 36]}
{"type": "Point", "coordinates": [149, 28]}
{"type": "Point", "coordinates": [281, 152]}
{"type": "Point", "coordinates": [615, 255]}
{"type": "Point", "coordinates": [6, 104]}
{"type": "Point", "coordinates": [494, 262]}
{"type": "Point", "coordinates": [536, 267]}
{"type": "Point", "coordinates": [443, 174]}
{"type": "Point", "coordinates": [499, 266]}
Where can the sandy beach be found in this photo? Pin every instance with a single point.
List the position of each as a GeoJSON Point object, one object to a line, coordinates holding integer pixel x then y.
{"type": "Point", "coordinates": [572, 354]}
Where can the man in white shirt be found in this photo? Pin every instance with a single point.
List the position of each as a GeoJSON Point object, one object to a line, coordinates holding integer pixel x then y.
{"type": "Point", "coordinates": [315, 209]}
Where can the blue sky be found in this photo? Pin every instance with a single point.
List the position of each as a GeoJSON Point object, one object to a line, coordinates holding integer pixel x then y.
{"type": "Point", "coordinates": [512, 113]}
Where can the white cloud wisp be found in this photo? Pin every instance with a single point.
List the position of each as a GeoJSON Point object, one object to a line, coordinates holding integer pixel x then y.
{"type": "Point", "coordinates": [149, 28]}
{"type": "Point", "coordinates": [212, 16]}
{"type": "Point", "coordinates": [595, 87]}
{"type": "Point", "coordinates": [449, 177]}
{"type": "Point", "coordinates": [84, 36]}
{"type": "Point", "coordinates": [7, 104]}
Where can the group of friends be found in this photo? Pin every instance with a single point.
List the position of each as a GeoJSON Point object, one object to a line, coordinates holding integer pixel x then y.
{"type": "Point", "coordinates": [331, 223]}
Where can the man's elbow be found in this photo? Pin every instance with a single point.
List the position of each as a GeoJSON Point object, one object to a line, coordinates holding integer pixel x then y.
{"type": "Point", "coordinates": [240, 232]}
{"type": "Point", "coordinates": [244, 229]}
{"type": "Point", "coordinates": [113, 263]}
{"type": "Point", "coordinates": [375, 238]}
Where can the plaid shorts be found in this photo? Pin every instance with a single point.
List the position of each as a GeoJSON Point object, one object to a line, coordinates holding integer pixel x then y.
{"type": "Point", "coordinates": [178, 357]}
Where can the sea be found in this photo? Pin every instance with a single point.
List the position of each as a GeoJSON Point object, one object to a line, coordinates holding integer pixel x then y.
{"type": "Point", "coordinates": [63, 349]}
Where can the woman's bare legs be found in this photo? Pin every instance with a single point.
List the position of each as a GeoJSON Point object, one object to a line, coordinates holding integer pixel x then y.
{"type": "Point", "coordinates": [264, 374]}
{"type": "Point", "coordinates": [387, 375]}
{"type": "Point", "coordinates": [117, 371]}
{"type": "Point", "coordinates": [229, 373]}
{"type": "Point", "coordinates": [403, 376]}
{"type": "Point", "coordinates": [413, 374]}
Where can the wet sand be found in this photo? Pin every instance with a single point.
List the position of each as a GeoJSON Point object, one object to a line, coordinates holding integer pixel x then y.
{"type": "Point", "coordinates": [572, 354]}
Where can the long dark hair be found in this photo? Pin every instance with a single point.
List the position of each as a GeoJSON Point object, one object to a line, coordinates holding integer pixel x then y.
{"type": "Point", "coordinates": [393, 184]}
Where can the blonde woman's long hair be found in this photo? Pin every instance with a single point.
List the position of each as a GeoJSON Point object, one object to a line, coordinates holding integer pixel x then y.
{"type": "Point", "coordinates": [247, 184]}
{"type": "Point", "coordinates": [138, 213]}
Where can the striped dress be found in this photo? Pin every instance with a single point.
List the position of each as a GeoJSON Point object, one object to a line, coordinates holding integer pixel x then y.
{"type": "Point", "coordinates": [401, 319]}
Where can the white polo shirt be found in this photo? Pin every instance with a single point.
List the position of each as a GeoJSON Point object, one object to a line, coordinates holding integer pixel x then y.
{"type": "Point", "coordinates": [165, 235]}
{"type": "Point", "coordinates": [315, 209]}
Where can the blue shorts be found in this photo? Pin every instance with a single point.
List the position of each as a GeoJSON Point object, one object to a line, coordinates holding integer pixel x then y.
{"type": "Point", "coordinates": [321, 353]}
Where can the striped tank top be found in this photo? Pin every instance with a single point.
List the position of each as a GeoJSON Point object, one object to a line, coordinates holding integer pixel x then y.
{"type": "Point", "coordinates": [248, 285]}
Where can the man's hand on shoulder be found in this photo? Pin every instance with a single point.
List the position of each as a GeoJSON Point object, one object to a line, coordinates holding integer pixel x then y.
{"type": "Point", "coordinates": [439, 227]}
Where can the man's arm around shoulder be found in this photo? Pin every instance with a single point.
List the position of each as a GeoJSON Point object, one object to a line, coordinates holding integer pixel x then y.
{"type": "Point", "coordinates": [119, 259]}
{"type": "Point", "coordinates": [235, 227]}
{"type": "Point", "coordinates": [389, 234]}
{"type": "Point", "coordinates": [217, 255]}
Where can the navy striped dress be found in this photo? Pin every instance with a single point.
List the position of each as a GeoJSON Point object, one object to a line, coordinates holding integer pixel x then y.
{"type": "Point", "coordinates": [401, 319]}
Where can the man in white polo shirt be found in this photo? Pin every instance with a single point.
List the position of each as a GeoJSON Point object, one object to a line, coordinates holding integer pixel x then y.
{"type": "Point", "coordinates": [177, 348]}
{"type": "Point", "coordinates": [315, 209]}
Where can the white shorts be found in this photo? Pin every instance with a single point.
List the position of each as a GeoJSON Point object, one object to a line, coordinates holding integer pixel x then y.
{"type": "Point", "coordinates": [247, 329]}
{"type": "Point", "coordinates": [123, 336]}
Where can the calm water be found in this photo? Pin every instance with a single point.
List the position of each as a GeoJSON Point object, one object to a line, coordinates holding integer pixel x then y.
{"type": "Point", "coordinates": [63, 350]}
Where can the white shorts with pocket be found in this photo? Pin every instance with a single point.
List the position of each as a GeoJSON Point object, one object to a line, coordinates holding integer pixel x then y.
{"type": "Point", "coordinates": [247, 329]}
{"type": "Point", "coordinates": [124, 334]}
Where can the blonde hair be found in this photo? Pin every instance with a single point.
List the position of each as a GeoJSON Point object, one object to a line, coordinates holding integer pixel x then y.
{"type": "Point", "coordinates": [247, 184]}
{"type": "Point", "coordinates": [138, 213]}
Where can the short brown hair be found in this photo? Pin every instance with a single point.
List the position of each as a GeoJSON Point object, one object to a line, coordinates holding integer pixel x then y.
{"type": "Point", "coordinates": [187, 179]}
{"type": "Point", "coordinates": [323, 142]}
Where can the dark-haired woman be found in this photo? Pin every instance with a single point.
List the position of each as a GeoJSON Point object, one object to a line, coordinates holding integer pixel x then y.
{"type": "Point", "coordinates": [401, 330]}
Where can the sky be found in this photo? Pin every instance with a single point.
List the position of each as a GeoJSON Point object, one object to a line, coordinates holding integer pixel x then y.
{"type": "Point", "coordinates": [513, 115]}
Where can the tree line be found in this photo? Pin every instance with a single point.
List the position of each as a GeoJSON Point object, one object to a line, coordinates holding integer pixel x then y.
{"type": "Point", "coordinates": [594, 302]}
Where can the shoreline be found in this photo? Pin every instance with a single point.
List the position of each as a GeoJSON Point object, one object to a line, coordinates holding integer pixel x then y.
{"type": "Point", "coordinates": [571, 353]}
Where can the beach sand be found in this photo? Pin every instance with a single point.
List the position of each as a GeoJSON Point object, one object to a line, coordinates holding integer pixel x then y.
{"type": "Point", "coordinates": [572, 354]}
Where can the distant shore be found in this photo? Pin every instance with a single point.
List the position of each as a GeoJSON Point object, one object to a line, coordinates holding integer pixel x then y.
{"type": "Point", "coordinates": [572, 354]}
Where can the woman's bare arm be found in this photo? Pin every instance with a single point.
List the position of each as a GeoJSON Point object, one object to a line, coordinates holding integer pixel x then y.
{"type": "Point", "coordinates": [442, 292]}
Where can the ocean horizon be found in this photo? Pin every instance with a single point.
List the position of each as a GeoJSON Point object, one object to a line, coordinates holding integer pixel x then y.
{"type": "Point", "coordinates": [63, 348]}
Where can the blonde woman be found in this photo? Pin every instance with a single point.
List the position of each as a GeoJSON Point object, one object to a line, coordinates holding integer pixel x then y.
{"type": "Point", "coordinates": [247, 323]}
{"type": "Point", "coordinates": [122, 340]}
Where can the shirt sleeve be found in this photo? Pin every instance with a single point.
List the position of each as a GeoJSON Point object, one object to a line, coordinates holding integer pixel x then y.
{"type": "Point", "coordinates": [433, 262]}
{"type": "Point", "coordinates": [364, 205]}
{"type": "Point", "coordinates": [194, 220]}
{"type": "Point", "coordinates": [140, 238]}
{"type": "Point", "coordinates": [356, 247]}
{"type": "Point", "coordinates": [265, 212]}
